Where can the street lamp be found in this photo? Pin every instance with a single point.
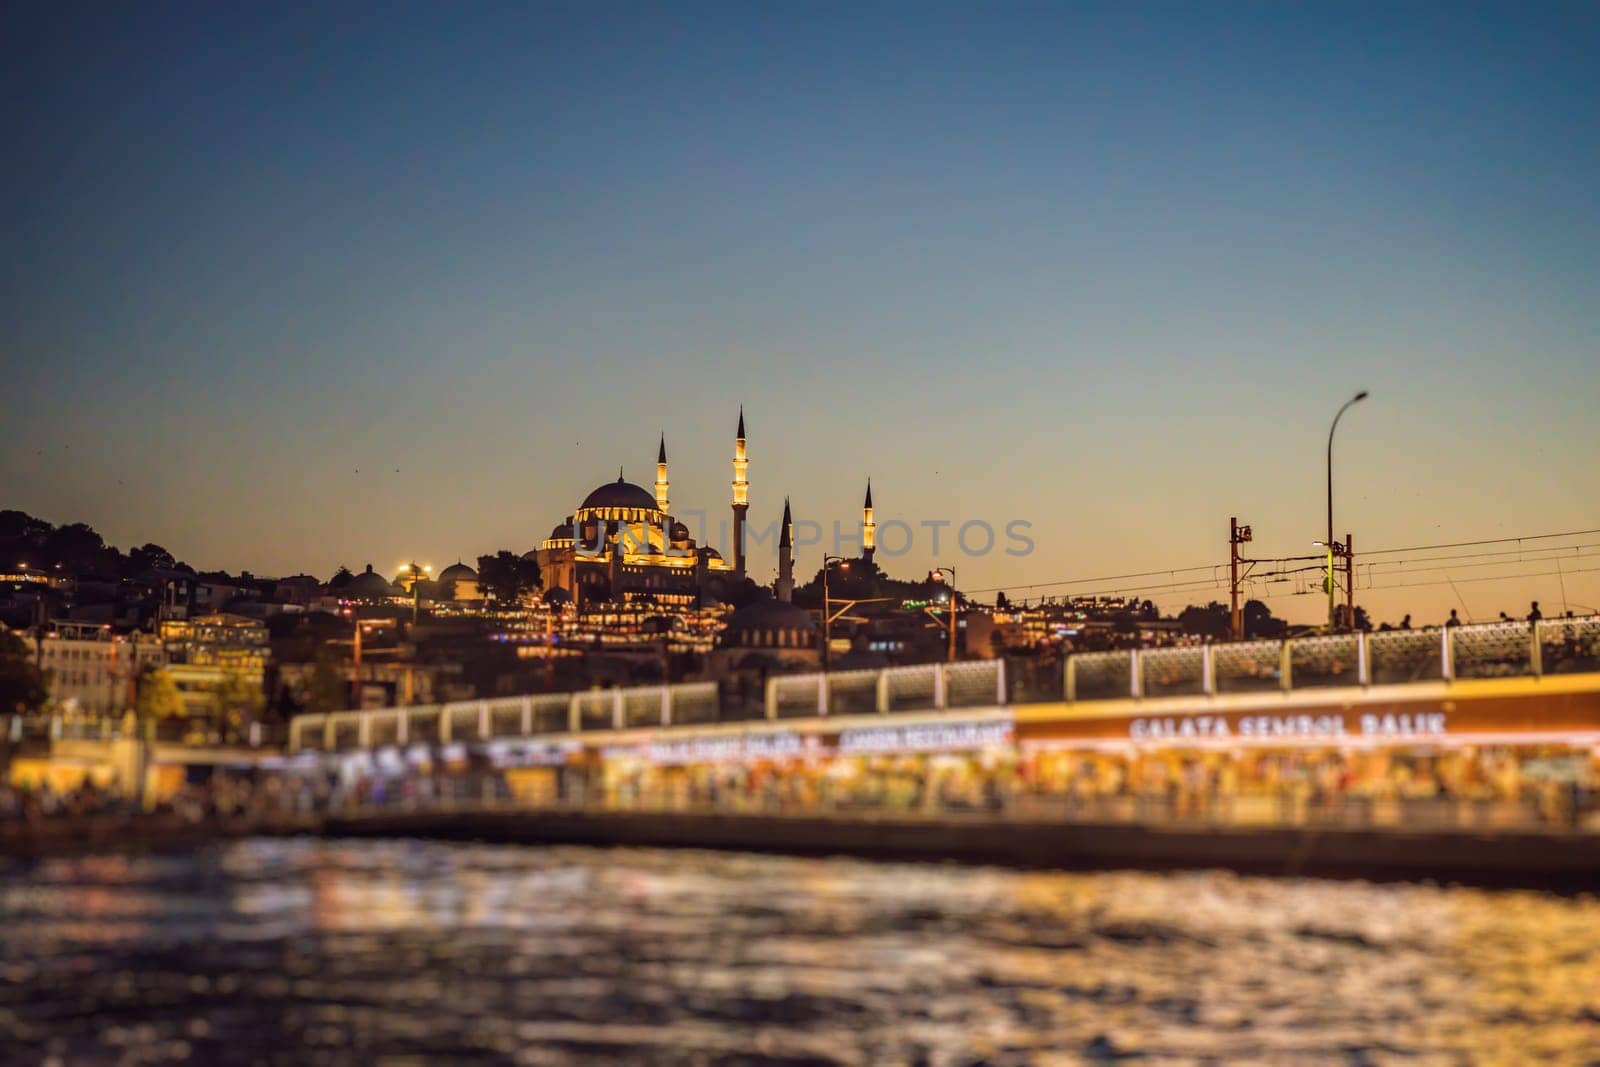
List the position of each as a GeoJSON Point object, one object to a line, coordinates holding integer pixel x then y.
{"type": "Point", "coordinates": [418, 574]}
{"type": "Point", "coordinates": [1329, 542]}
{"type": "Point", "coordinates": [827, 613]}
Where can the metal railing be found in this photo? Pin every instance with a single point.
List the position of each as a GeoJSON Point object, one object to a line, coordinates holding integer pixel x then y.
{"type": "Point", "coordinates": [931, 687]}
{"type": "Point", "coordinates": [22, 729]}
{"type": "Point", "coordinates": [1323, 661]}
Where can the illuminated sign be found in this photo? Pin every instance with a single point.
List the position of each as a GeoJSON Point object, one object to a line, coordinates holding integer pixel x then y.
{"type": "Point", "coordinates": [720, 749]}
{"type": "Point", "coordinates": [932, 737]}
{"type": "Point", "coordinates": [530, 753]}
{"type": "Point", "coordinates": [1288, 727]}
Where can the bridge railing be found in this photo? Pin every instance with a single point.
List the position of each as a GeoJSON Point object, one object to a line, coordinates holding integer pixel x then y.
{"type": "Point", "coordinates": [1569, 646]}
{"type": "Point", "coordinates": [929, 687]}
{"type": "Point", "coordinates": [1320, 661]}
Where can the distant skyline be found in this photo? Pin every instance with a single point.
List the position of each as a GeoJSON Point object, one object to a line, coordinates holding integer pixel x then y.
{"type": "Point", "coordinates": [292, 287]}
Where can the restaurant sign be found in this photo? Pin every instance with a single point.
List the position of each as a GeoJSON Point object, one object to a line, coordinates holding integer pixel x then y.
{"type": "Point", "coordinates": [1289, 727]}
{"type": "Point", "coordinates": [737, 748]}
{"type": "Point", "coordinates": [930, 737]}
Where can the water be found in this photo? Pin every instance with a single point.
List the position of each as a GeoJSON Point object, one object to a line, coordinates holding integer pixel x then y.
{"type": "Point", "coordinates": [307, 952]}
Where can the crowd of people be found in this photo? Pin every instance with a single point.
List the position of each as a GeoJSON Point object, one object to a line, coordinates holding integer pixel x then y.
{"type": "Point", "coordinates": [1469, 788]}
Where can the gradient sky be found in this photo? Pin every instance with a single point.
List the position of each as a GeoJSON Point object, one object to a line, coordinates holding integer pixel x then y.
{"type": "Point", "coordinates": [284, 288]}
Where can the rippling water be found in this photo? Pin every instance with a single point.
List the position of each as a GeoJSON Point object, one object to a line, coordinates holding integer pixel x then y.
{"type": "Point", "coordinates": [303, 952]}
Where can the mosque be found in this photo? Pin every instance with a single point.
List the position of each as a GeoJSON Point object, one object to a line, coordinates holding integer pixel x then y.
{"type": "Point", "coordinates": [623, 543]}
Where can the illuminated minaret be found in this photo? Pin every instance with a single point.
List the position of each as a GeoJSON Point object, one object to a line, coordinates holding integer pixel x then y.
{"type": "Point", "coordinates": [785, 588]}
{"type": "Point", "coordinates": [869, 530]}
{"type": "Point", "coordinates": [741, 495]}
{"type": "Point", "coordinates": [661, 474]}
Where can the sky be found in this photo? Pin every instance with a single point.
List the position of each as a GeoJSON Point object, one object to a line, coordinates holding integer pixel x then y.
{"type": "Point", "coordinates": [289, 287]}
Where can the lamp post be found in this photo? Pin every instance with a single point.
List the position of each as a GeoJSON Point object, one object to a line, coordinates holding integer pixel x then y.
{"type": "Point", "coordinates": [418, 574]}
{"type": "Point", "coordinates": [827, 608]}
{"type": "Point", "coordinates": [1329, 542]}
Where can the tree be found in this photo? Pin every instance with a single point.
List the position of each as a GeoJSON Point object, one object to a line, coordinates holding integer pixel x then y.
{"type": "Point", "coordinates": [1258, 621]}
{"type": "Point", "coordinates": [158, 696]}
{"type": "Point", "coordinates": [236, 702]}
{"type": "Point", "coordinates": [151, 557]}
{"type": "Point", "coordinates": [23, 686]}
{"type": "Point", "coordinates": [324, 689]}
{"type": "Point", "coordinates": [1209, 621]}
{"type": "Point", "coordinates": [77, 545]}
{"type": "Point", "coordinates": [506, 575]}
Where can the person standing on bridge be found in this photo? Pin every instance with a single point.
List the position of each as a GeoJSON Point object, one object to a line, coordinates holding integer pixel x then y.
{"type": "Point", "coordinates": [1453, 620]}
{"type": "Point", "coordinates": [1534, 614]}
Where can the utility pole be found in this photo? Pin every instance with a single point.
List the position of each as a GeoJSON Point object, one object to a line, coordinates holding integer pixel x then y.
{"type": "Point", "coordinates": [955, 610]}
{"type": "Point", "coordinates": [1349, 581]}
{"type": "Point", "coordinates": [1237, 535]}
{"type": "Point", "coordinates": [827, 613]}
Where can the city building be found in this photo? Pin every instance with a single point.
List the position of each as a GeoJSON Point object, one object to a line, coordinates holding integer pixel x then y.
{"type": "Point", "coordinates": [210, 651]}
{"type": "Point", "coordinates": [90, 669]}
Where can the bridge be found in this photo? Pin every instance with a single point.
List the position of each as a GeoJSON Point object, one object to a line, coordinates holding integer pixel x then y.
{"type": "Point", "coordinates": [1512, 681]}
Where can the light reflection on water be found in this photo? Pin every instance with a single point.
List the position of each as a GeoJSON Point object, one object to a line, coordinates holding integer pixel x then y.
{"type": "Point", "coordinates": [334, 952]}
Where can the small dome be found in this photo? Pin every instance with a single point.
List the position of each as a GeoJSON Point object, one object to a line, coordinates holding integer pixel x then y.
{"type": "Point", "coordinates": [680, 532]}
{"type": "Point", "coordinates": [369, 585]}
{"type": "Point", "coordinates": [458, 572]}
{"type": "Point", "coordinates": [620, 494]}
{"type": "Point", "coordinates": [562, 532]}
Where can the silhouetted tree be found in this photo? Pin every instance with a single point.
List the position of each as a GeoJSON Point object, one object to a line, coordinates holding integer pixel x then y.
{"type": "Point", "coordinates": [506, 575]}
{"type": "Point", "coordinates": [1258, 621]}
{"type": "Point", "coordinates": [1209, 621]}
{"type": "Point", "coordinates": [76, 546]}
{"type": "Point", "coordinates": [23, 686]}
{"type": "Point", "coordinates": [150, 557]}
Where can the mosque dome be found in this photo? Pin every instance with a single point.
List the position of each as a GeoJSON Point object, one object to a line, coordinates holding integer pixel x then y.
{"type": "Point", "coordinates": [458, 572]}
{"type": "Point", "coordinates": [620, 494]}
{"type": "Point", "coordinates": [369, 585]}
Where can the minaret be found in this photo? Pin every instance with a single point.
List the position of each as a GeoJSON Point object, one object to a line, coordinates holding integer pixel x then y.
{"type": "Point", "coordinates": [741, 496]}
{"type": "Point", "coordinates": [661, 474]}
{"type": "Point", "coordinates": [785, 588]}
{"type": "Point", "coordinates": [869, 529]}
